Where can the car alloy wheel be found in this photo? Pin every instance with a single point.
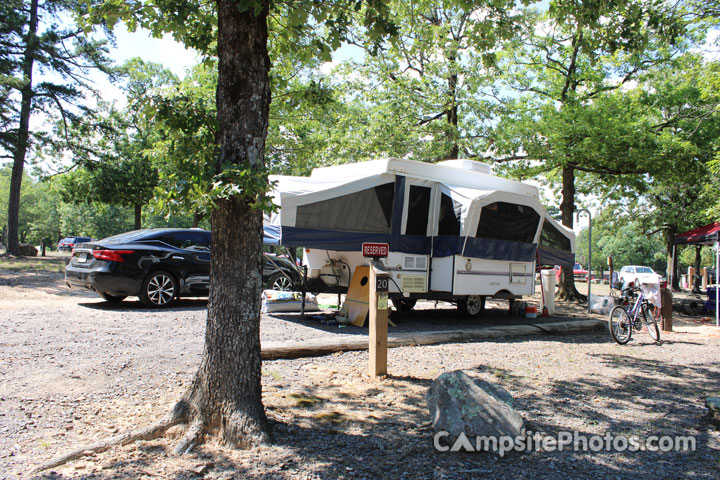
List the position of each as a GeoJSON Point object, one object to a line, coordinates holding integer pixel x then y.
{"type": "Point", "coordinates": [159, 290]}
{"type": "Point", "coordinates": [280, 281]}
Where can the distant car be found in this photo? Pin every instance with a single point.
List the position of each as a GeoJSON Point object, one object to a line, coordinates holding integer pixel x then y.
{"type": "Point", "coordinates": [158, 266]}
{"type": "Point", "coordinates": [639, 274]}
{"type": "Point", "coordinates": [579, 272]}
{"type": "Point", "coordinates": [68, 243]}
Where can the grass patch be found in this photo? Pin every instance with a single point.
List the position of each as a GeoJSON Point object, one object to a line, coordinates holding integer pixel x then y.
{"type": "Point", "coordinates": [500, 373]}
{"type": "Point", "coordinates": [305, 401]}
{"type": "Point", "coordinates": [331, 417]}
{"type": "Point", "coordinates": [272, 373]}
{"type": "Point", "coordinates": [52, 263]}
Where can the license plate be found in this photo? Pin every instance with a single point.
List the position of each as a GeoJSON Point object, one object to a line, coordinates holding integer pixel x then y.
{"type": "Point", "coordinates": [82, 258]}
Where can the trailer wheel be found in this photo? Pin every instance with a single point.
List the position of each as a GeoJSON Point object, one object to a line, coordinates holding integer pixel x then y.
{"type": "Point", "coordinates": [404, 305]}
{"type": "Point", "coordinates": [472, 306]}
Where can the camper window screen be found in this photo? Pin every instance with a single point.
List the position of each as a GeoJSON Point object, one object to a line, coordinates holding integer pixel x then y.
{"type": "Point", "coordinates": [417, 210]}
{"type": "Point", "coordinates": [508, 221]}
{"type": "Point", "coordinates": [551, 237]}
{"type": "Point", "coordinates": [364, 211]}
{"type": "Point", "coordinates": [449, 216]}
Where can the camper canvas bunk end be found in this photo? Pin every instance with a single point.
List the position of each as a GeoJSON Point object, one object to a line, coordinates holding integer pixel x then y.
{"type": "Point", "coordinates": [455, 231]}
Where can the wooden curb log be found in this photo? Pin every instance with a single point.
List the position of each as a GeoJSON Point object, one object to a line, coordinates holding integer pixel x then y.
{"type": "Point", "coordinates": [346, 343]}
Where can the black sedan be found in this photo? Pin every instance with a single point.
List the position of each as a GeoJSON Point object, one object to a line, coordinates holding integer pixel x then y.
{"type": "Point", "coordinates": [158, 265]}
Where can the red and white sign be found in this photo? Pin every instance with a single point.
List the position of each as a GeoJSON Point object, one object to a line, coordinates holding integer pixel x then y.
{"type": "Point", "coordinates": [375, 250]}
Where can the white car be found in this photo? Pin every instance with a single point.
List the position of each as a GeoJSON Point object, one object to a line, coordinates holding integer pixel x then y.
{"type": "Point", "coordinates": [639, 275]}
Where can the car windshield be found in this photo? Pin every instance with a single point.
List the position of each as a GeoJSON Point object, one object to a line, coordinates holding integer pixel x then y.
{"type": "Point", "coordinates": [644, 270]}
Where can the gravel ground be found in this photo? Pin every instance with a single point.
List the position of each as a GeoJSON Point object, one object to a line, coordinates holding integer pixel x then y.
{"type": "Point", "coordinates": [75, 370]}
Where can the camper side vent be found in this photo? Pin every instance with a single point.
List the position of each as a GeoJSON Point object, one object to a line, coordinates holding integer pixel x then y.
{"type": "Point", "coordinates": [413, 283]}
{"type": "Point", "coordinates": [412, 262]}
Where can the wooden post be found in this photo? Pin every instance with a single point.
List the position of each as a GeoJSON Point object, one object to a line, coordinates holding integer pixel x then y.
{"type": "Point", "coordinates": [378, 341]}
{"type": "Point", "coordinates": [666, 312]}
{"type": "Point", "coordinates": [691, 278]}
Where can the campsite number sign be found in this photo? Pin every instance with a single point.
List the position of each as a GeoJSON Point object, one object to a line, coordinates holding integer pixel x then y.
{"type": "Point", "coordinates": [381, 283]}
{"type": "Point", "coordinates": [375, 250]}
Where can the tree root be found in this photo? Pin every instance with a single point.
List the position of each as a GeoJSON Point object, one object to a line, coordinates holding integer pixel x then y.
{"type": "Point", "coordinates": [190, 438]}
{"type": "Point", "coordinates": [176, 417]}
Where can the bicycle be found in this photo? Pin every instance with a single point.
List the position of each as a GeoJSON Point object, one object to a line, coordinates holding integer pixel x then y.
{"type": "Point", "coordinates": [622, 322]}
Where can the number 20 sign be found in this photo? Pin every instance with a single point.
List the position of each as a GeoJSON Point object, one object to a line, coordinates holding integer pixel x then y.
{"type": "Point", "coordinates": [381, 283]}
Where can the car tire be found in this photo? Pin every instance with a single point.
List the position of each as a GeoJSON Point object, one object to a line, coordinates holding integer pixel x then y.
{"type": "Point", "coordinates": [280, 281]}
{"type": "Point", "coordinates": [112, 298]}
{"type": "Point", "coordinates": [159, 290]}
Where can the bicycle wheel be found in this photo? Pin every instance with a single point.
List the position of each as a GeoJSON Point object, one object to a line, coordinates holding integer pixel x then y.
{"type": "Point", "coordinates": [650, 323]}
{"type": "Point", "coordinates": [619, 324]}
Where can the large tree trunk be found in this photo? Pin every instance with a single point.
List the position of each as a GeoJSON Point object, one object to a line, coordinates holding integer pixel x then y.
{"type": "Point", "coordinates": [225, 397]}
{"type": "Point", "coordinates": [567, 289]}
{"type": "Point", "coordinates": [452, 116]}
{"type": "Point", "coordinates": [138, 216]}
{"type": "Point", "coordinates": [698, 261]}
{"type": "Point", "coordinates": [672, 270]}
{"type": "Point", "coordinates": [197, 217]}
{"type": "Point", "coordinates": [23, 136]}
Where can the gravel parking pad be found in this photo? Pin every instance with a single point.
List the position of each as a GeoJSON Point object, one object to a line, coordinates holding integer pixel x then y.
{"type": "Point", "coordinates": [75, 370]}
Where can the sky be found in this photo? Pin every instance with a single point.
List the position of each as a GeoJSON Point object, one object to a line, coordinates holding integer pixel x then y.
{"type": "Point", "coordinates": [171, 54]}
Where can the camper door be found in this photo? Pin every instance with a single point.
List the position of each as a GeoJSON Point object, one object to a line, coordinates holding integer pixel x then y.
{"type": "Point", "coordinates": [418, 220]}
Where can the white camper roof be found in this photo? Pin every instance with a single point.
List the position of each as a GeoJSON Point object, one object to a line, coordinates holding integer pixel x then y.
{"type": "Point", "coordinates": [463, 173]}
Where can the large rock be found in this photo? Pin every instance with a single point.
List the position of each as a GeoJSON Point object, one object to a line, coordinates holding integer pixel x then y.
{"type": "Point", "coordinates": [460, 404]}
{"type": "Point", "coordinates": [713, 404]}
{"type": "Point", "coordinates": [27, 250]}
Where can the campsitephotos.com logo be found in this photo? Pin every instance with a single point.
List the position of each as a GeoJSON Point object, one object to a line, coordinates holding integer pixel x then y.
{"type": "Point", "coordinates": [568, 441]}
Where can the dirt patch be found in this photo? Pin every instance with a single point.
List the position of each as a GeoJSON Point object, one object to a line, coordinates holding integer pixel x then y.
{"type": "Point", "coordinates": [76, 369]}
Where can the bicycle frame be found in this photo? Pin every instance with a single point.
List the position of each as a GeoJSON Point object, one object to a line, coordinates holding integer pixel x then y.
{"type": "Point", "coordinates": [635, 312]}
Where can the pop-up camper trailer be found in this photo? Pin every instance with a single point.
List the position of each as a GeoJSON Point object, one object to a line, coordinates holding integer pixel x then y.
{"type": "Point", "coordinates": [455, 231]}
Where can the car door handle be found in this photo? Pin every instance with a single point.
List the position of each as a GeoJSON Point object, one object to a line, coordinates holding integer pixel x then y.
{"type": "Point", "coordinates": [175, 257]}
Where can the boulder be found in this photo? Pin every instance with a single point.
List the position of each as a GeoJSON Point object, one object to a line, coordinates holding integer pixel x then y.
{"type": "Point", "coordinates": [713, 404]}
{"type": "Point", "coordinates": [27, 250]}
{"type": "Point", "coordinates": [460, 404]}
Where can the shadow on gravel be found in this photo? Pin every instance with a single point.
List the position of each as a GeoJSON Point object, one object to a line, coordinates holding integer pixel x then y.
{"type": "Point", "coordinates": [654, 394]}
{"type": "Point", "coordinates": [350, 429]}
{"type": "Point", "coordinates": [182, 305]}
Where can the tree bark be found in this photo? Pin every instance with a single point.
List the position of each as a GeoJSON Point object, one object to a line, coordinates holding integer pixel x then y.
{"type": "Point", "coordinates": [197, 217]}
{"type": "Point", "coordinates": [567, 289]}
{"type": "Point", "coordinates": [23, 136]}
{"type": "Point", "coordinates": [672, 270]}
{"type": "Point", "coordinates": [452, 116]}
{"type": "Point", "coordinates": [225, 397]}
{"type": "Point", "coordinates": [698, 261]}
{"type": "Point", "coordinates": [138, 216]}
